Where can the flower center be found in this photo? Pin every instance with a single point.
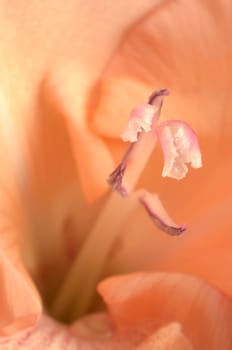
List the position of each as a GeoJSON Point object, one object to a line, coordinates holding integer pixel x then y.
{"type": "Point", "coordinates": [76, 295]}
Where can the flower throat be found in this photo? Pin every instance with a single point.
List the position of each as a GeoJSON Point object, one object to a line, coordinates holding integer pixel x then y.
{"type": "Point", "coordinates": [143, 130]}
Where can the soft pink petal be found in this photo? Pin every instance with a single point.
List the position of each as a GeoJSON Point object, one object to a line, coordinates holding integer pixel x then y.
{"type": "Point", "coordinates": [19, 302]}
{"type": "Point", "coordinates": [185, 48]}
{"type": "Point", "coordinates": [20, 305]}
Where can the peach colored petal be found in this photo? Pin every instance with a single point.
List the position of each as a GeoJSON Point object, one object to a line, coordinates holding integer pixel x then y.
{"type": "Point", "coordinates": [167, 48]}
{"type": "Point", "coordinates": [193, 77]}
{"type": "Point", "coordinates": [93, 158]}
{"type": "Point", "coordinates": [82, 53]}
{"type": "Point", "coordinates": [180, 47]}
{"type": "Point", "coordinates": [148, 301]}
{"type": "Point", "coordinates": [207, 213]}
{"type": "Point", "coordinates": [20, 305]}
{"type": "Point", "coordinates": [23, 68]}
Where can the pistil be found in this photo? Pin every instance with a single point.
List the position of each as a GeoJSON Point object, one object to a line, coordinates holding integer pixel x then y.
{"type": "Point", "coordinates": [77, 293]}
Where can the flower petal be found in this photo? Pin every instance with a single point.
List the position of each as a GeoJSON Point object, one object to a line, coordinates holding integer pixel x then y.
{"type": "Point", "coordinates": [144, 302]}
{"type": "Point", "coordinates": [20, 304]}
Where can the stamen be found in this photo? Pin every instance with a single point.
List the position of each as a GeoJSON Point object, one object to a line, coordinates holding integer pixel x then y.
{"type": "Point", "coordinates": [179, 144]}
{"type": "Point", "coordinates": [115, 179]}
{"type": "Point", "coordinates": [161, 92]}
{"type": "Point", "coordinates": [127, 173]}
{"type": "Point", "coordinates": [158, 214]}
{"type": "Point", "coordinates": [79, 288]}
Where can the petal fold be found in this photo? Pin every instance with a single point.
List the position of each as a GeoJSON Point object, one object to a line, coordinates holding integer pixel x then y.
{"type": "Point", "coordinates": [20, 304]}
{"type": "Point", "coordinates": [143, 302]}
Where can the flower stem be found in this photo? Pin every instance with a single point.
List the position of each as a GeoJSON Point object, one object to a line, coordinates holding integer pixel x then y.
{"type": "Point", "coordinates": [76, 294]}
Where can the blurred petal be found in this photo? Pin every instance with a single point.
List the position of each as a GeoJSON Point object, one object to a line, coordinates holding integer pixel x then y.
{"type": "Point", "coordinates": [20, 305]}
{"type": "Point", "coordinates": [147, 301]}
{"type": "Point", "coordinates": [80, 56]}
{"type": "Point", "coordinates": [168, 48]}
{"type": "Point", "coordinates": [90, 153]}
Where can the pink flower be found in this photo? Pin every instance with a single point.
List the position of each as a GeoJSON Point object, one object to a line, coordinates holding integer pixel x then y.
{"type": "Point", "coordinates": [70, 75]}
